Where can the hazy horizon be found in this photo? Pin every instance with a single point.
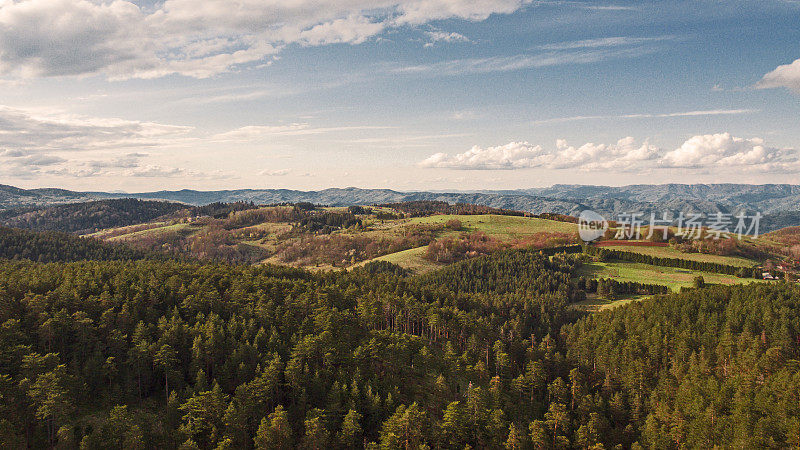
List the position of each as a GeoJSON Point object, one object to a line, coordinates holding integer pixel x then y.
{"type": "Point", "coordinates": [453, 190]}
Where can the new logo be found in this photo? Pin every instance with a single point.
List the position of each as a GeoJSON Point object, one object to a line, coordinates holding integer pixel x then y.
{"type": "Point", "coordinates": [591, 225]}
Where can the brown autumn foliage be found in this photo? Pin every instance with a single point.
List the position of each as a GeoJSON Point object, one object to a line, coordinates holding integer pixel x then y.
{"type": "Point", "coordinates": [545, 239]}
{"type": "Point", "coordinates": [341, 250]}
{"type": "Point", "coordinates": [468, 245]}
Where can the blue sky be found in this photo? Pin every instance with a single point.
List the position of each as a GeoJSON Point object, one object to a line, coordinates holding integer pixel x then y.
{"type": "Point", "coordinates": [409, 95]}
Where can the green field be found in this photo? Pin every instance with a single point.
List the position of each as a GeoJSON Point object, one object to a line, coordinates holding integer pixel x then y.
{"type": "Point", "coordinates": [673, 277]}
{"type": "Point", "coordinates": [669, 252]}
{"type": "Point", "coordinates": [167, 228]}
{"type": "Point", "coordinates": [408, 259]}
{"type": "Point", "coordinates": [503, 227]}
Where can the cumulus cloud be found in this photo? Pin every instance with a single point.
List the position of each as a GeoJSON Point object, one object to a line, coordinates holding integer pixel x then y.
{"type": "Point", "coordinates": [698, 152]}
{"type": "Point", "coordinates": [352, 30]}
{"type": "Point", "coordinates": [520, 155]}
{"type": "Point", "coordinates": [514, 155]}
{"type": "Point", "coordinates": [722, 149]}
{"type": "Point", "coordinates": [69, 37]}
{"type": "Point", "coordinates": [785, 76]}
{"type": "Point", "coordinates": [198, 39]}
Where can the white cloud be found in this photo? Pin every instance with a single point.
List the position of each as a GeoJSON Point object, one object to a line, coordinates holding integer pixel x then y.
{"type": "Point", "coordinates": [275, 172]}
{"type": "Point", "coordinates": [156, 172]}
{"type": "Point", "coordinates": [710, 112]}
{"type": "Point", "coordinates": [197, 38]}
{"type": "Point", "coordinates": [521, 155]}
{"type": "Point", "coordinates": [353, 30]}
{"type": "Point", "coordinates": [251, 132]}
{"type": "Point", "coordinates": [34, 143]}
{"type": "Point", "coordinates": [514, 155]}
{"type": "Point", "coordinates": [523, 61]}
{"type": "Point", "coordinates": [421, 11]}
{"type": "Point", "coordinates": [41, 142]}
{"type": "Point", "coordinates": [722, 149]}
{"type": "Point", "coordinates": [698, 152]}
{"type": "Point", "coordinates": [29, 132]}
{"type": "Point", "coordinates": [31, 160]}
{"type": "Point", "coordinates": [443, 36]}
{"type": "Point", "coordinates": [786, 76]}
{"type": "Point", "coordinates": [616, 41]}
{"type": "Point", "coordinates": [69, 37]}
{"type": "Point", "coordinates": [255, 132]}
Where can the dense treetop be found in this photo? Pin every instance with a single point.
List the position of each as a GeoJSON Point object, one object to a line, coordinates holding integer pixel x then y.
{"type": "Point", "coordinates": [54, 246]}
{"type": "Point", "coordinates": [485, 352]}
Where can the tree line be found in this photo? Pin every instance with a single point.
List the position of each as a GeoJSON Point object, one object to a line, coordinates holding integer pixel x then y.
{"type": "Point", "coordinates": [53, 246]}
{"type": "Point", "coordinates": [88, 217]}
{"type": "Point", "coordinates": [703, 266]}
{"type": "Point", "coordinates": [423, 208]}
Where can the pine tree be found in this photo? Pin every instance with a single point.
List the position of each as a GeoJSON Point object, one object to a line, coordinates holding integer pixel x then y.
{"type": "Point", "coordinates": [350, 435]}
{"type": "Point", "coordinates": [516, 438]}
{"type": "Point", "coordinates": [166, 358]}
{"type": "Point", "coordinates": [405, 429]}
{"type": "Point", "coordinates": [316, 437]}
{"type": "Point", "coordinates": [203, 416]}
{"type": "Point", "coordinates": [454, 426]}
{"type": "Point", "coordinates": [275, 432]}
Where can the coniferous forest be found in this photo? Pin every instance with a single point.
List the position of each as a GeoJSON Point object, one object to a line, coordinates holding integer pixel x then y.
{"type": "Point", "coordinates": [483, 353]}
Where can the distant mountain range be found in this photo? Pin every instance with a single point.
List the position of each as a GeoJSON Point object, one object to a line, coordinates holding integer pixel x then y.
{"type": "Point", "coordinates": [779, 203]}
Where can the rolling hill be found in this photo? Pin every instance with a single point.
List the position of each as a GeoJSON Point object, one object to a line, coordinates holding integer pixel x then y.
{"type": "Point", "coordinates": [777, 202]}
{"type": "Point", "coordinates": [87, 217]}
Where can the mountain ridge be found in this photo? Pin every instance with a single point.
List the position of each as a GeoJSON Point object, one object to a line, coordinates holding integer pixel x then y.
{"type": "Point", "coordinates": [779, 202]}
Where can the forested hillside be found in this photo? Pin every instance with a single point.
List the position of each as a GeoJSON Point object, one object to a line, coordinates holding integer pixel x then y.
{"type": "Point", "coordinates": [713, 367]}
{"type": "Point", "coordinates": [53, 246]}
{"type": "Point", "coordinates": [485, 353]}
{"type": "Point", "coordinates": [82, 218]}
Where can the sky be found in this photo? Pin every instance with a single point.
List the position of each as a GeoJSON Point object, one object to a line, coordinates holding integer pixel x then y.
{"type": "Point", "coordinates": [135, 96]}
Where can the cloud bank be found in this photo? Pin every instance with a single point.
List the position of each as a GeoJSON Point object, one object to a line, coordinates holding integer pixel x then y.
{"type": "Point", "coordinates": [24, 132]}
{"type": "Point", "coordinates": [697, 153]}
{"type": "Point", "coordinates": [199, 39]}
{"type": "Point", "coordinates": [35, 143]}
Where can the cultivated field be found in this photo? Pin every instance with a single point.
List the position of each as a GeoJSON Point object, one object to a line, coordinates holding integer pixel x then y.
{"type": "Point", "coordinates": [669, 252]}
{"type": "Point", "coordinates": [503, 227]}
{"type": "Point", "coordinates": [411, 259]}
{"type": "Point", "coordinates": [673, 277]}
